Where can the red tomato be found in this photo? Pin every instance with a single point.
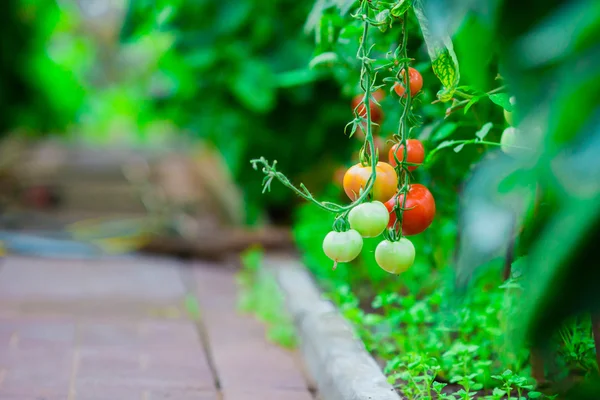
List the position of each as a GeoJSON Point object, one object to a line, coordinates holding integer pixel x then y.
{"type": "Point", "coordinates": [415, 153]}
{"type": "Point", "coordinates": [386, 181]}
{"type": "Point", "coordinates": [419, 210]}
{"type": "Point", "coordinates": [416, 83]}
{"type": "Point", "coordinates": [376, 111]}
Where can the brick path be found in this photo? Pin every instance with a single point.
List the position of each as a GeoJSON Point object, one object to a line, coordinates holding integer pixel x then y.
{"type": "Point", "coordinates": [127, 329]}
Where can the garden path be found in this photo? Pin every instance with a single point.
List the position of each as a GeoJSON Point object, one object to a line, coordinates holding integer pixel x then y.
{"type": "Point", "coordinates": [132, 328]}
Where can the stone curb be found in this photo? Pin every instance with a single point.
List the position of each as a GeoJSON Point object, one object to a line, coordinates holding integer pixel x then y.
{"type": "Point", "coordinates": [335, 357]}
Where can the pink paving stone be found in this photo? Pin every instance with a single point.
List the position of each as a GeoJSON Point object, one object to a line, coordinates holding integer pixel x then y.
{"type": "Point", "coordinates": [241, 353]}
{"type": "Point", "coordinates": [265, 394]}
{"type": "Point", "coordinates": [164, 333]}
{"type": "Point", "coordinates": [30, 279]}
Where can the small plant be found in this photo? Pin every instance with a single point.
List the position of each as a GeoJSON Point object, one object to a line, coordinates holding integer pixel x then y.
{"type": "Point", "coordinates": [261, 296]}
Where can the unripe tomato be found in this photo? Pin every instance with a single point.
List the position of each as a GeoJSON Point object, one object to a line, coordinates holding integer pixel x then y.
{"type": "Point", "coordinates": [342, 246]}
{"type": "Point", "coordinates": [508, 141]}
{"type": "Point", "coordinates": [395, 257]}
{"type": "Point", "coordinates": [376, 111]}
{"type": "Point", "coordinates": [416, 83]}
{"type": "Point", "coordinates": [386, 181]}
{"type": "Point", "coordinates": [419, 210]}
{"type": "Point", "coordinates": [414, 151]}
{"type": "Point", "coordinates": [369, 219]}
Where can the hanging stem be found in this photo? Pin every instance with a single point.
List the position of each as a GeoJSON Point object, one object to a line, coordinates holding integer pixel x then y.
{"type": "Point", "coordinates": [366, 81]}
{"type": "Point", "coordinates": [403, 132]}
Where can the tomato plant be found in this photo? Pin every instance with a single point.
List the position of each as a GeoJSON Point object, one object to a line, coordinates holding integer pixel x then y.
{"type": "Point", "coordinates": [419, 209]}
{"type": "Point", "coordinates": [415, 153]}
{"type": "Point", "coordinates": [384, 186]}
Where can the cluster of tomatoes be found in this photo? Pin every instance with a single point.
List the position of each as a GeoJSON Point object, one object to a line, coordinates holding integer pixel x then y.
{"type": "Point", "coordinates": [371, 219]}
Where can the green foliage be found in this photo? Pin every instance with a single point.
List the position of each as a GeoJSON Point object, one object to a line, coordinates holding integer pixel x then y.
{"type": "Point", "coordinates": [260, 295]}
{"type": "Point", "coordinates": [416, 322]}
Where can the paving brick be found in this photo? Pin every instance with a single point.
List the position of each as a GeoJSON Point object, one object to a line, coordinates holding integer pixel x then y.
{"type": "Point", "coordinates": [266, 394]}
{"type": "Point", "coordinates": [242, 355]}
{"type": "Point", "coordinates": [29, 279]}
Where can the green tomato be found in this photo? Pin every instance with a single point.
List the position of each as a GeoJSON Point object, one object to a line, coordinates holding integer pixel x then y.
{"type": "Point", "coordinates": [395, 257]}
{"type": "Point", "coordinates": [508, 140]}
{"type": "Point", "coordinates": [342, 246]}
{"type": "Point", "coordinates": [369, 219]}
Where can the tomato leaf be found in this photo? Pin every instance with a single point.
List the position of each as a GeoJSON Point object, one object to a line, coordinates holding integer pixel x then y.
{"type": "Point", "coordinates": [502, 100]}
{"type": "Point", "coordinates": [459, 147]}
{"type": "Point", "coordinates": [400, 8]}
{"type": "Point", "coordinates": [482, 133]}
{"type": "Point", "coordinates": [445, 131]}
{"type": "Point", "coordinates": [471, 102]}
{"type": "Point", "coordinates": [441, 52]}
{"type": "Point", "coordinates": [444, 144]}
{"type": "Point", "coordinates": [253, 86]}
{"type": "Point", "coordinates": [328, 57]}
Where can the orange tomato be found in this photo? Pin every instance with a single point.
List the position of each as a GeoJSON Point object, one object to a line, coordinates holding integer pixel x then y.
{"type": "Point", "coordinates": [416, 83]}
{"type": "Point", "coordinates": [384, 188]}
{"type": "Point", "coordinates": [376, 111]}
{"type": "Point", "coordinates": [419, 210]}
{"type": "Point", "coordinates": [415, 153]}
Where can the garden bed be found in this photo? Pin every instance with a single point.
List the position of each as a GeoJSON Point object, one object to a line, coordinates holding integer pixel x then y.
{"type": "Point", "coordinates": [349, 355]}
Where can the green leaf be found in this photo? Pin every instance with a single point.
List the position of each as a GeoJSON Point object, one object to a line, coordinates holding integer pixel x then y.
{"type": "Point", "coordinates": [445, 131]}
{"type": "Point", "coordinates": [253, 86]}
{"type": "Point", "coordinates": [471, 102]}
{"type": "Point", "coordinates": [503, 100]}
{"type": "Point", "coordinates": [328, 57]}
{"type": "Point", "coordinates": [441, 52]}
{"type": "Point", "coordinates": [445, 144]}
{"type": "Point", "coordinates": [297, 77]}
{"type": "Point", "coordinates": [482, 133]}
{"type": "Point", "coordinates": [400, 8]}
{"type": "Point", "coordinates": [459, 147]}
{"type": "Point", "coordinates": [534, 395]}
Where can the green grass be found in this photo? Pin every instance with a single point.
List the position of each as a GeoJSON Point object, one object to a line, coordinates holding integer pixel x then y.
{"type": "Point", "coordinates": [261, 297]}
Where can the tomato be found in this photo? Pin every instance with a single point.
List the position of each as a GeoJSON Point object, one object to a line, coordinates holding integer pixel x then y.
{"type": "Point", "coordinates": [419, 210]}
{"type": "Point", "coordinates": [395, 257]}
{"type": "Point", "coordinates": [342, 246]}
{"type": "Point", "coordinates": [509, 142]}
{"type": "Point", "coordinates": [376, 111]}
{"type": "Point", "coordinates": [415, 82]}
{"type": "Point", "coordinates": [369, 219]}
{"type": "Point", "coordinates": [385, 185]}
{"type": "Point", "coordinates": [414, 151]}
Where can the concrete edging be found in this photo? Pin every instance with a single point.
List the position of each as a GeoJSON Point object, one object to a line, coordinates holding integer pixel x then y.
{"type": "Point", "coordinates": [335, 357]}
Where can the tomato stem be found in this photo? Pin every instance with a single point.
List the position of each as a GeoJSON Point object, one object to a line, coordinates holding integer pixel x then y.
{"type": "Point", "coordinates": [366, 82]}
{"type": "Point", "coordinates": [403, 132]}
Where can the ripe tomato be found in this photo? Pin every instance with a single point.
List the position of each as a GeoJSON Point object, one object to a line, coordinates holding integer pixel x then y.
{"type": "Point", "coordinates": [395, 257]}
{"type": "Point", "coordinates": [416, 83]}
{"type": "Point", "coordinates": [414, 151]}
{"type": "Point", "coordinates": [369, 219]}
{"type": "Point", "coordinates": [385, 185]}
{"type": "Point", "coordinates": [376, 111]}
{"type": "Point", "coordinates": [419, 210]}
{"type": "Point", "coordinates": [342, 246]}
